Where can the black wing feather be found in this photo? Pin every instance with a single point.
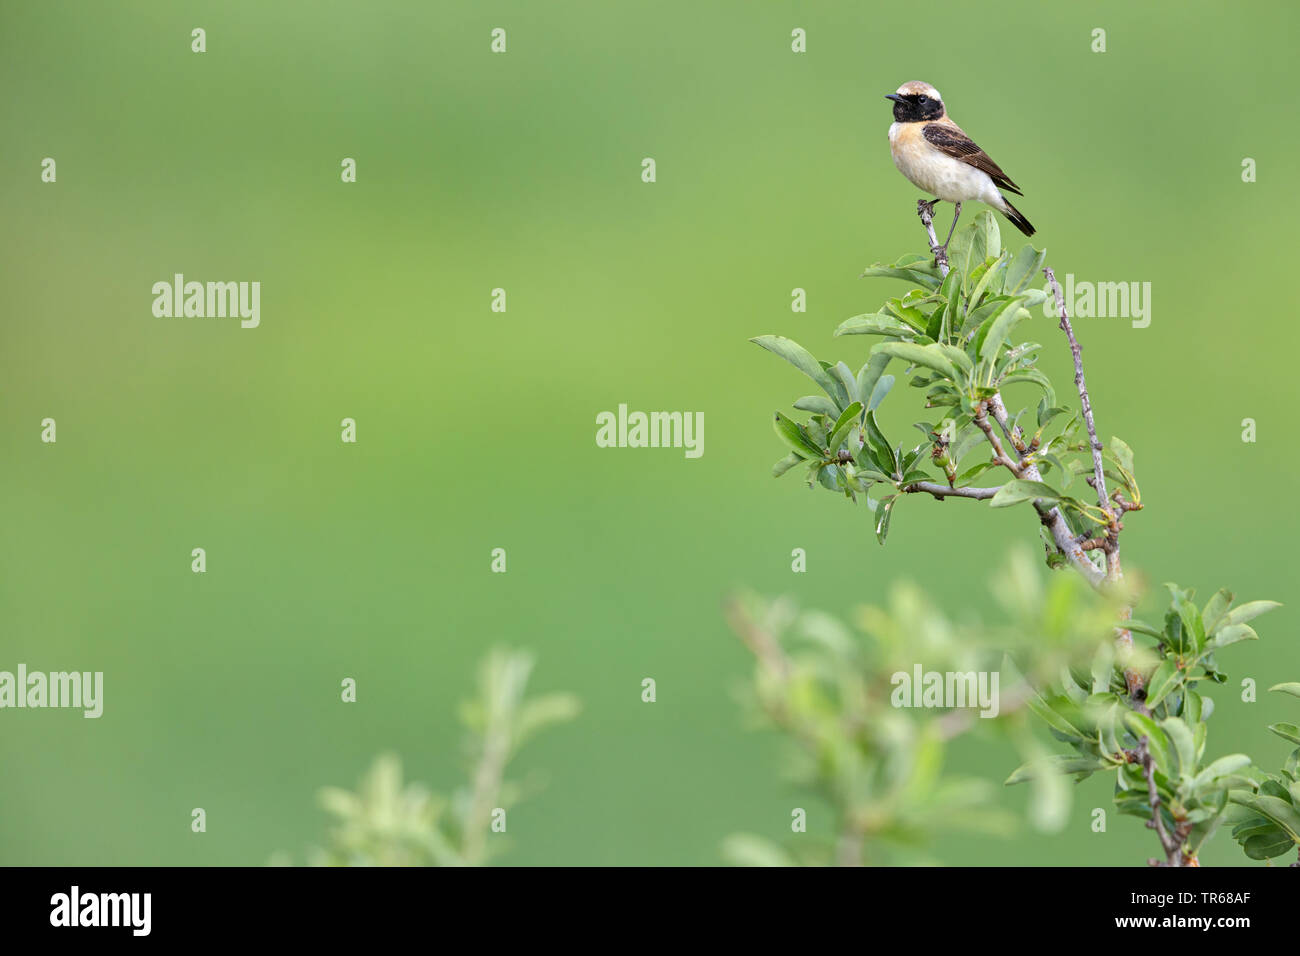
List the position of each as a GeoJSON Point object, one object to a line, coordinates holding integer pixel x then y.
{"type": "Point", "coordinates": [954, 142]}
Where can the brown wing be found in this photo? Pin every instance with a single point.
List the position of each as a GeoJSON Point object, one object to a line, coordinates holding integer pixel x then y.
{"type": "Point", "coordinates": [951, 140]}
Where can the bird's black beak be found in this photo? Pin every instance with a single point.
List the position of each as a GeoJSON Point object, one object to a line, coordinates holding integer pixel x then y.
{"type": "Point", "coordinates": [896, 97]}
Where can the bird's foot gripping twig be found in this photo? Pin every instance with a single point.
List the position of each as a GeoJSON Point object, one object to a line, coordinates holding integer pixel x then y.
{"type": "Point", "coordinates": [925, 209]}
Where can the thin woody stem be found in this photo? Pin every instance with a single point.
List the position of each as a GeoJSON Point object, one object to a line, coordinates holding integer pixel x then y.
{"type": "Point", "coordinates": [925, 210]}
{"type": "Point", "coordinates": [943, 491]}
{"type": "Point", "coordinates": [1171, 843]}
{"type": "Point", "coordinates": [1050, 515]}
{"type": "Point", "coordinates": [1113, 510]}
{"type": "Point", "coordinates": [1085, 402]}
{"type": "Point", "coordinates": [999, 454]}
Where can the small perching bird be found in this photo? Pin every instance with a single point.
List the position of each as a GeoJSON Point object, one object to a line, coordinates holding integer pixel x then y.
{"type": "Point", "coordinates": [937, 156]}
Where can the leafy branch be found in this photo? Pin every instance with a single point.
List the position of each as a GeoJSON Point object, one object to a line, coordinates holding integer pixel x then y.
{"type": "Point", "coordinates": [954, 332]}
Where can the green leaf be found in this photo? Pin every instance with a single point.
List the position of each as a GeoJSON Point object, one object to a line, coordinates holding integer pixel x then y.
{"type": "Point", "coordinates": [852, 415]}
{"type": "Point", "coordinates": [1272, 843]}
{"type": "Point", "coordinates": [957, 356]}
{"type": "Point", "coordinates": [875, 323]}
{"type": "Point", "coordinates": [1140, 725]}
{"type": "Point", "coordinates": [1291, 688]}
{"type": "Point", "coordinates": [1060, 713]}
{"type": "Point", "coordinates": [1233, 633]}
{"type": "Point", "coordinates": [975, 319]}
{"type": "Point", "coordinates": [879, 391]}
{"type": "Point", "coordinates": [847, 381]}
{"type": "Point", "coordinates": [1142, 627]}
{"type": "Point", "coordinates": [1046, 413]}
{"type": "Point", "coordinates": [919, 273]}
{"type": "Point", "coordinates": [1215, 608]}
{"type": "Point", "coordinates": [1163, 680]}
{"type": "Point", "coordinates": [968, 438]}
{"type": "Point", "coordinates": [1249, 611]}
{"type": "Point", "coordinates": [940, 326]}
{"type": "Point", "coordinates": [881, 451]}
{"type": "Point", "coordinates": [1220, 768]}
{"type": "Point", "coordinates": [1275, 809]}
{"type": "Point", "coordinates": [929, 356]}
{"type": "Point", "coordinates": [1206, 829]}
{"type": "Point", "coordinates": [1023, 268]}
{"type": "Point", "coordinates": [785, 464]}
{"type": "Point", "coordinates": [818, 404]}
{"type": "Point", "coordinates": [802, 359]}
{"type": "Point", "coordinates": [988, 280]}
{"type": "Point", "coordinates": [1021, 489]}
{"type": "Point", "coordinates": [1192, 626]}
{"type": "Point", "coordinates": [1181, 736]}
{"type": "Point", "coordinates": [1286, 731]}
{"type": "Point", "coordinates": [1174, 636]}
{"type": "Point", "coordinates": [1055, 765]}
{"type": "Point", "coordinates": [871, 372]}
{"type": "Point", "coordinates": [1035, 377]}
{"type": "Point", "coordinates": [996, 330]}
{"type": "Point", "coordinates": [974, 243]}
{"type": "Point", "coordinates": [884, 515]}
{"type": "Point", "coordinates": [793, 435]}
{"type": "Point", "coordinates": [1122, 453]}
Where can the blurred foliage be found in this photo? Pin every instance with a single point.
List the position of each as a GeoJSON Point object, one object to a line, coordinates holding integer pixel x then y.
{"type": "Point", "coordinates": [831, 688]}
{"type": "Point", "coordinates": [389, 823]}
{"type": "Point", "coordinates": [1091, 714]}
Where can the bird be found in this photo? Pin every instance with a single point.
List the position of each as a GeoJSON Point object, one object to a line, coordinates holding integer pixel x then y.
{"type": "Point", "coordinates": [937, 156]}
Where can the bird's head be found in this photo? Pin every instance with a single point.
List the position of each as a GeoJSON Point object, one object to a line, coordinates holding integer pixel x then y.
{"type": "Point", "coordinates": [916, 102]}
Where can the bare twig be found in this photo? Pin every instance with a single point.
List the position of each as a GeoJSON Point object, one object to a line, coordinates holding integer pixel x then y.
{"type": "Point", "coordinates": [925, 209]}
{"type": "Point", "coordinates": [998, 409]}
{"type": "Point", "coordinates": [1098, 481]}
{"type": "Point", "coordinates": [1125, 505]}
{"type": "Point", "coordinates": [944, 491]}
{"type": "Point", "coordinates": [999, 454]}
{"type": "Point", "coordinates": [1114, 567]}
{"type": "Point", "coordinates": [1171, 843]}
{"type": "Point", "coordinates": [1050, 515]}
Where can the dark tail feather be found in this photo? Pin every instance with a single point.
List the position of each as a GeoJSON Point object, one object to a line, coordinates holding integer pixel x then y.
{"type": "Point", "coordinates": [1017, 220]}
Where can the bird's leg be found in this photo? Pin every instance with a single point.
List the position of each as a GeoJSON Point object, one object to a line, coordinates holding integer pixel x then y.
{"type": "Point", "coordinates": [955, 216]}
{"type": "Point", "coordinates": [926, 205]}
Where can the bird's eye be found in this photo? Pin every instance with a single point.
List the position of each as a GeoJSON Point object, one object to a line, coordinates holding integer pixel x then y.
{"type": "Point", "coordinates": [923, 99]}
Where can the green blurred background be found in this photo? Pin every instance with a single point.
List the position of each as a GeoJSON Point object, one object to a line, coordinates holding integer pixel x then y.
{"type": "Point", "coordinates": [476, 430]}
